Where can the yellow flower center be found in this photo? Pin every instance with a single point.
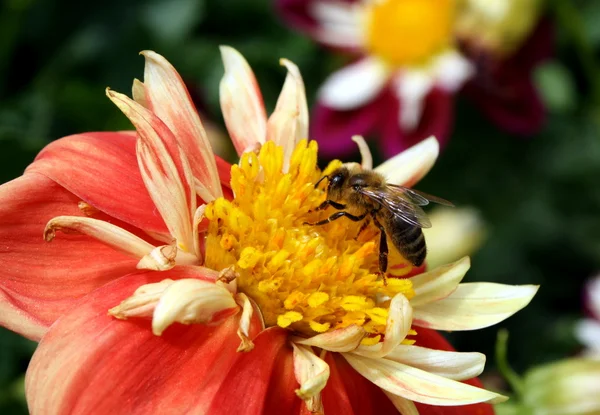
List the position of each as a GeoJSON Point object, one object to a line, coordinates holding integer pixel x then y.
{"type": "Point", "coordinates": [309, 279]}
{"type": "Point", "coordinates": [409, 32]}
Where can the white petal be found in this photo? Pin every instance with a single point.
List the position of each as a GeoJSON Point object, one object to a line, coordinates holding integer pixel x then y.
{"type": "Point", "coordinates": [198, 217]}
{"type": "Point", "coordinates": [404, 406]}
{"type": "Point", "coordinates": [340, 340]}
{"type": "Point", "coordinates": [400, 316]}
{"type": "Point", "coordinates": [451, 365]}
{"type": "Point", "coordinates": [411, 87]}
{"type": "Point", "coordinates": [241, 102]}
{"type": "Point", "coordinates": [112, 235]}
{"type": "Point", "coordinates": [355, 85]}
{"type": "Point", "coordinates": [410, 166]}
{"type": "Point", "coordinates": [474, 306]}
{"type": "Point", "coordinates": [339, 24]}
{"type": "Point", "coordinates": [452, 70]}
{"type": "Point", "coordinates": [189, 301]}
{"type": "Point", "coordinates": [244, 330]}
{"type": "Point", "coordinates": [439, 283]}
{"type": "Point", "coordinates": [289, 122]}
{"type": "Point", "coordinates": [587, 332]}
{"type": "Point", "coordinates": [418, 385]}
{"type": "Point", "coordinates": [143, 301]}
{"type": "Point", "coordinates": [592, 290]}
{"type": "Point", "coordinates": [312, 374]}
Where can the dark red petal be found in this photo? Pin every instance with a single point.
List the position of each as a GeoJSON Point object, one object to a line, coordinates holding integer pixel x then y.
{"type": "Point", "coordinates": [90, 362]}
{"type": "Point", "coordinates": [40, 280]}
{"type": "Point", "coordinates": [334, 129]}
{"type": "Point", "coordinates": [102, 170]}
{"type": "Point", "coordinates": [434, 340]}
{"type": "Point", "coordinates": [437, 120]}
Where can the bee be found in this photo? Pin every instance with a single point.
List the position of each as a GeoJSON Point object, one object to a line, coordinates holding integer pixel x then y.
{"type": "Point", "coordinates": [396, 210]}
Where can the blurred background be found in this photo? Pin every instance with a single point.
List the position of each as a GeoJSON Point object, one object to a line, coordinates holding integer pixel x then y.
{"type": "Point", "coordinates": [538, 196]}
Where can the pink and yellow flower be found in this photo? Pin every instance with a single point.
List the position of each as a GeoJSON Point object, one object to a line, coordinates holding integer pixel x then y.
{"type": "Point", "coordinates": [184, 284]}
{"type": "Point", "coordinates": [412, 56]}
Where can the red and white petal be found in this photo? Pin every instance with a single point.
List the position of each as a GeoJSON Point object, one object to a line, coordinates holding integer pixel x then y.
{"type": "Point", "coordinates": [241, 102]}
{"type": "Point", "coordinates": [105, 232]}
{"type": "Point", "coordinates": [341, 340]}
{"type": "Point", "coordinates": [355, 85]}
{"type": "Point", "coordinates": [451, 365]}
{"type": "Point", "coordinates": [339, 24]}
{"type": "Point", "coordinates": [439, 283]}
{"type": "Point", "coordinates": [418, 385]}
{"type": "Point", "coordinates": [289, 122]}
{"type": "Point", "coordinates": [399, 321]}
{"type": "Point", "coordinates": [474, 306]}
{"type": "Point", "coordinates": [410, 166]}
{"type": "Point", "coordinates": [164, 168]}
{"type": "Point", "coordinates": [452, 70]}
{"type": "Point", "coordinates": [311, 373]}
{"type": "Point", "coordinates": [348, 393]}
{"type": "Point", "coordinates": [92, 166]}
{"type": "Point", "coordinates": [411, 88]}
{"type": "Point", "coordinates": [167, 97]}
{"type": "Point", "coordinates": [39, 281]}
{"type": "Point", "coordinates": [193, 301]}
{"type": "Point", "coordinates": [91, 362]}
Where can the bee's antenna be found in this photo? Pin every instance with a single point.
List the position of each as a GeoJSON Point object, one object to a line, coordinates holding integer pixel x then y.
{"type": "Point", "coordinates": [320, 180]}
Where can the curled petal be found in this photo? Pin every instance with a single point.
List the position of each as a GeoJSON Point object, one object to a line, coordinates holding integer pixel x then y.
{"type": "Point", "coordinates": [418, 385]}
{"type": "Point", "coordinates": [355, 85]}
{"type": "Point", "coordinates": [341, 340]}
{"type": "Point", "coordinates": [451, 365]}
{"type": "Point", "coordinates": [143, 301]}
{"type": "Point", "coordinates": [410, 166]}
{"type": "Point", "coordinates": [241, 102]}
{"type": "Point", "coordinates": [366, 157]}
{"type": "Point", "coordinates": [474, 306]}
{"type": "Point", "coordinates": [190, 301]}
{"type": "Point", "coordinates": [243, 331]}
{"type": "Point", "coordinates": [161, 258]}
{"type": "Point", "coordinates": [170, 184]}
{"type": "Point", "coordinates": [289, 122]}
{"type": "Point", "coordinates": [439, 283]}
{"type": "Point", "coordinates": [400, 316]}
{"type": "Point", "coordinates": [105, 232]}
{"type": "Point", "coordinates": [198, 217]}
{"type": "Point", "coordinates": [167, 97]}
{"type": "Point", "coordinates": [312, 374]}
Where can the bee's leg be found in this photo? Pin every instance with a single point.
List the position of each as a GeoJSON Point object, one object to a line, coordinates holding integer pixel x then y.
{"type": "Point", "coordinates": [326, 203]}
{"type": "Point", "coordinates": [383, 248]}
{"type": "Point", "coordinates": [362, 228]}
{"type": "Point", "coordinates": [336, 216]}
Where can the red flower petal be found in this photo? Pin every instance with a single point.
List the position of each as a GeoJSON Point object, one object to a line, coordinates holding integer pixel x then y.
{"type": "Point", "coordinates": [102, 170]}
{"type": "Point", "coordinates": [39, 280]}
{"type": "Point", "coordinates": [90, 362]}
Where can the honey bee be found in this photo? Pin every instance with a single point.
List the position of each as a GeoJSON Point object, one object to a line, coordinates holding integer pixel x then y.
{"type": "Point", "coordinates": [395, 210]}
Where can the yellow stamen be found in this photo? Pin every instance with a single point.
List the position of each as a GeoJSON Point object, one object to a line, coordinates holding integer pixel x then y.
{"type": "Point", "coordinates": [309, 279]}
{"type": "Point", "coordinates": [409, 32]}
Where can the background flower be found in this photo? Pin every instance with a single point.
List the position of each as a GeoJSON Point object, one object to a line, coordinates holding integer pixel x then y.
{"type": "Point", "coordinates": [413, 56]}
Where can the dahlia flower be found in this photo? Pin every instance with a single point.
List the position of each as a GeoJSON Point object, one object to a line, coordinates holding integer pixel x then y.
{"type": "Point", "coordinates": [587, 330]}
{"type": "Point", "coordinates": [172, 282]}
{"type": "Point", "coordinates": [412, 56]}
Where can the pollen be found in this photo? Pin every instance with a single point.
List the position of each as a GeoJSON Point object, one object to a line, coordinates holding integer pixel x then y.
{"type": "Point", "coordinates": [409, 32]}
{"type": "Point", "coordinates": [305, 278]}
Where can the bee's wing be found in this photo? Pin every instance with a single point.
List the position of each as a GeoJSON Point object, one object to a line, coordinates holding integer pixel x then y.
{"type": "Point", "coordinates": [420, 198]}
{"type": "Point", "coordinates": [402, 204]}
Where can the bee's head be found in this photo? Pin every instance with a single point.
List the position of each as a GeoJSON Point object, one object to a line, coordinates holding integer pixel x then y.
{"type": "Point", "coordinates": [337, 180]}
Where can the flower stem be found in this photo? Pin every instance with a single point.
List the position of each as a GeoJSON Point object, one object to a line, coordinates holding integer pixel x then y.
{"type": "Point", "coordinates": [513, 379]}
